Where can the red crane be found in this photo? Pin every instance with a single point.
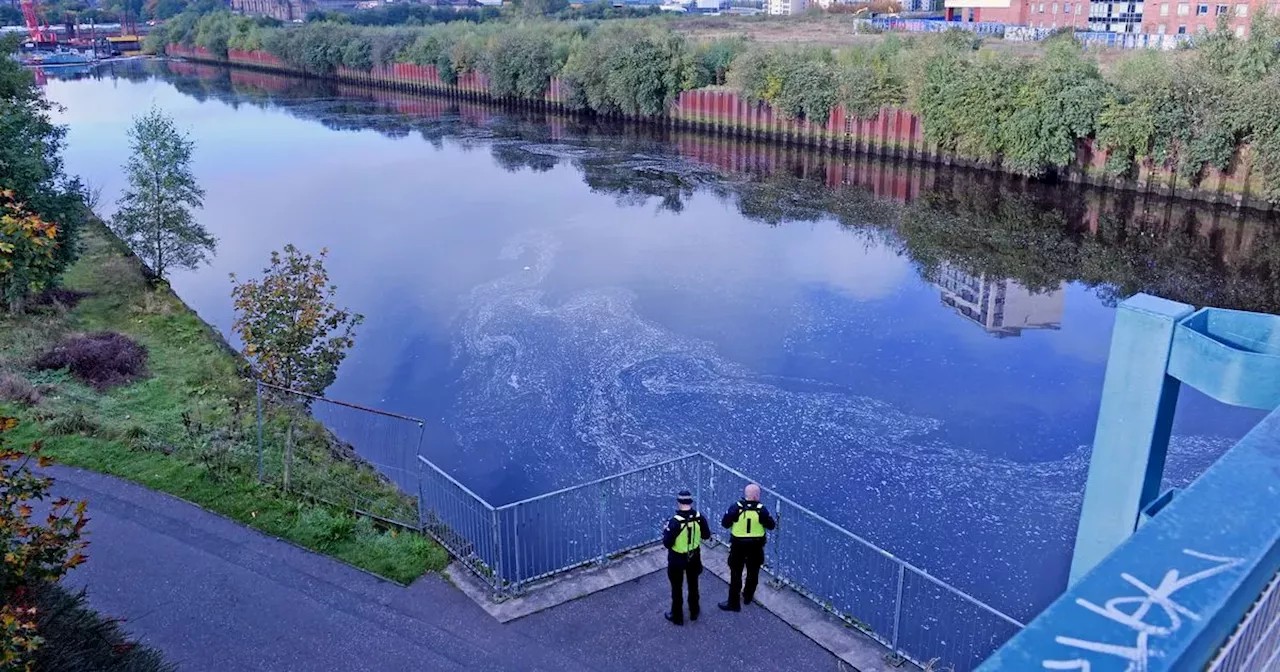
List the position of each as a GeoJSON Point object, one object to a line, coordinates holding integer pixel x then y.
{"type": "Point", "coordinates": [40, 34]}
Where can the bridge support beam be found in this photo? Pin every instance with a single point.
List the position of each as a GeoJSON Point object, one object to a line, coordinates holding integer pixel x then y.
{"type": "Point", "coordinates": [1134, 423]}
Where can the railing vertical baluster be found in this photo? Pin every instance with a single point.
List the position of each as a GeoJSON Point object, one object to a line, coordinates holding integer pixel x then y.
{"type": "Point", "coordinates": [515, 533]}
{"type": "Point", "coordinates": [897, 607]}
{"type": "Point", "coordinates": [497, 552]}
{"type": "Point", "coordinates": [604, 508]}
{"type": "Point", "coordinates": [697, 485]}
{"type": "Point", "coordinates": [777, 537]}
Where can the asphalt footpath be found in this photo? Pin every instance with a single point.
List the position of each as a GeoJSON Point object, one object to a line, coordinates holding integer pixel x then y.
{"type": "Point", "coordinates": [215, 595]}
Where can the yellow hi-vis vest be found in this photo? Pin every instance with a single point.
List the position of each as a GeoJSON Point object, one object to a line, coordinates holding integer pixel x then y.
{"type": "Point", "coordinates": [690, 536]}
{"type": "Point", "coordinates": [748, 526]}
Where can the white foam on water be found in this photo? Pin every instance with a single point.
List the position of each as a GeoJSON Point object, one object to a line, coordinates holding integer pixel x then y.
{"type": "Point", "coordinates": [578, 386]}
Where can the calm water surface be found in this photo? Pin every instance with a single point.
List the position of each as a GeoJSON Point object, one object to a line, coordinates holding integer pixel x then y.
{"type": "Point", "coordinates": [916, 354]}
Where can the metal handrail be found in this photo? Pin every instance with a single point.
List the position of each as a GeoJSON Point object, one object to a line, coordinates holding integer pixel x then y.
{"type": "Point", "coordinates": [487, 540]}
{"type": "Point", "coordinates": [803, 509]}
{"type": "Point", "coordinates": [822, 519]}
{"type": "Point", "coordinates": [348, 404]}
{"type": "Point", "coordinates": [454, 481]}
{"type": "Point", "coordinates": [598, 481]}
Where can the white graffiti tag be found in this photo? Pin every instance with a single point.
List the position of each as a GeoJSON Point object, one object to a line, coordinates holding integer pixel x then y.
{"type": "Point", "coordinates": [1132, 612]}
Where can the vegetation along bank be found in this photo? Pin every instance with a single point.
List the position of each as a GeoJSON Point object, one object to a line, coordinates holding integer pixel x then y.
{"type": "Point", "coordinates": [1184, 117]}
{"type": "Point", "coordinates": [102, 364]}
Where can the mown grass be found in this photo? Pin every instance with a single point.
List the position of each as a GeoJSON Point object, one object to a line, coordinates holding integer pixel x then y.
{"type": "Point", "coordinates": [188, 428]}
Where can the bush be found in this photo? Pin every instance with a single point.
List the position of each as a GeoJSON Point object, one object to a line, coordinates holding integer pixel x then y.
{"type": "Point", "coordinates": [77, 638]}
{"type": "Point", "coordinates": [60, 296]}
{"type": "Point", "coordinates": [35, 554]}
{"type": "Point", "coordinates": [1185, 111]}
{"type": "Point", "coordinates": [101, 360]}
{"type": "Point", "coordinates": [19, 389]}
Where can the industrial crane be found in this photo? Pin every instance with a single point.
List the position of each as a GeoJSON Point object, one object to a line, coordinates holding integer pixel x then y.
{"type": "Point", "coordinates": [40, 33]}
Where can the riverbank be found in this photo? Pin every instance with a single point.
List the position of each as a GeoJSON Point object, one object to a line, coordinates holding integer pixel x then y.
{"type": "Point", "coordinates": [892, 132]}
{"type": "Point", "coordinates": [185, 428]}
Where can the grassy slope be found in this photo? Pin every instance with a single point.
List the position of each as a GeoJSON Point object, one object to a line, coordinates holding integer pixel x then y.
{"type": "Point", "coordinates": [187, 429]}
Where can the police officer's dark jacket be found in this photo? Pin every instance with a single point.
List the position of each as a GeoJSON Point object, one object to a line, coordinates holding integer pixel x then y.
{"type": "Point", "coordinates": [684, 535]}
{"type": "Point", "coordinates": [747, 522]}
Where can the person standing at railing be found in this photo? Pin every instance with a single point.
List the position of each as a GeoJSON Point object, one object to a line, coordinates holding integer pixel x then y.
{"type": "Point", "coordinates": [683, 538]}
{"type": "Point", "coordinates": [748, 520]}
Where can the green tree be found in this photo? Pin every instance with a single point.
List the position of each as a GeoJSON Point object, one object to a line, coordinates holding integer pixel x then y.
{"type": "Point", "coordinates": [293, 333]}
{"type": "Point", "coordinates": [539, 8]}
{"type": "Point", "coordinates": [155, 217]}
{"type": "Point", "coordinates": [10, 16]}
{"type": "Point", "coordinates": [31, 157]}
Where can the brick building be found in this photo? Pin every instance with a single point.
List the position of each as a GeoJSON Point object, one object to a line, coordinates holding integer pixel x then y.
{"type": "Point", "coordinates": [1051, 14]}
{"type": "Point", "coordinates": [1152, 17]}
{"type": "Point", "coordinates": [1165, 17]}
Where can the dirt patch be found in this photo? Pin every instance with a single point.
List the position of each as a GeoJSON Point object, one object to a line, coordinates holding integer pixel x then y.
{"type": "Point", "coordinates": [60, 296]}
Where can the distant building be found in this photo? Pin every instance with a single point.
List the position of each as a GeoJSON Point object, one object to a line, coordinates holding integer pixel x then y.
{"type": "Point", "coordinates": [786, 7]}
{"type": "Point", "coordinates": [1152, 17]}
{"type": "Point", "coordinates": [1170, 18]}
{"type": "Point", "coordinates": [289, 10]}
{"type": "Point", "coordinates": [1060, 14]}
{"type": "Point", "coordinates": [1001, 307]}
{"type": "Point", "coordinates": [284, 10]}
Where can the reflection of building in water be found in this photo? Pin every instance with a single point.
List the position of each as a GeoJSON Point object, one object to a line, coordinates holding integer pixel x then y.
{"type": "Point", "coordinates": [1002, 307]}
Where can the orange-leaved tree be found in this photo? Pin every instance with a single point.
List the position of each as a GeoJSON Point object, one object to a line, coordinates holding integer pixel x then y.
{"type": "Point", "coordinates": [293, 332]}
{"type": "Point", "coordinates": [28, 252]}
{"type": "Point", "coordinates": [33, 554]}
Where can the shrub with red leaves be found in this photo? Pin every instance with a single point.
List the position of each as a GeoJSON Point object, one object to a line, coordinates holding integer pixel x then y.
{"type": "Point", "coordinates": [101, 360]}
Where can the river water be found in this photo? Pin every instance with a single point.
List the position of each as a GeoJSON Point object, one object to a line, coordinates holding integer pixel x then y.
{"type": "Point", "coordinates": [914, 352]}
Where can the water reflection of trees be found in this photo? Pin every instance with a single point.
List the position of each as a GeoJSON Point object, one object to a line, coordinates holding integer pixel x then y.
{"type": "Point", "coordinates": [979, 223]}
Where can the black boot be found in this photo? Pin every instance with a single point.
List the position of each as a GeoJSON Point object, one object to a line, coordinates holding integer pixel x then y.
{"type": "Point", "coordinates": [678, 620]}
{"type": "Point", "coordinates": [726, 606]}
{"type": "Point", "coordinates": [693, 614]}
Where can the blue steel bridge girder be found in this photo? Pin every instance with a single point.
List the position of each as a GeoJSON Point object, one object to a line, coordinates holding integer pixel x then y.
{"type": "Point", "coordinates": [1157, 345]}
{"type": "Point", "coordinates": [1197, 585]}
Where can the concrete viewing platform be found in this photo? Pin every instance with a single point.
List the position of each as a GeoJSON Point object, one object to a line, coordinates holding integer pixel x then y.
{"type": "Point", "coordinates": [647, 567]}
{"type": "Point", "coordinates": [214, 595]}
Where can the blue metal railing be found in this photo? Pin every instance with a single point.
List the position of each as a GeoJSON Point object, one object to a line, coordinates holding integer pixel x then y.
{"type": "Point", "coordinates": [512, 547]}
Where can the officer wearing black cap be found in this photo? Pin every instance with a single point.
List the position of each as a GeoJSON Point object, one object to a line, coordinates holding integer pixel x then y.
{"type": "Point", "coordinates": [683, 538]}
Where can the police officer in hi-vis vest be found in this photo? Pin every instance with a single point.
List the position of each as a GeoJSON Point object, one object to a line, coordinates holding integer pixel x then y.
{"type": "Point", "coordinates": [747, 520]}
{"type": "Point", "coordinates": [683, 538]}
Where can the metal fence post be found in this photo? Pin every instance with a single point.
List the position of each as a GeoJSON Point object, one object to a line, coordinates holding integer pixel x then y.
{"type": "Point", "coordinates": [497, 553]}
{"type": "Point", "coordinates": [697, 485]}
{"type": "Point", "coordinates": [258, 395]}
{"type": "Point", "coordinates": [897, 606]}
{"type": "Point", "coordinates": [604, 506]}
{"type": "Point", "coordinates": [777, 534]}
{"type": "Point", "coordinates": [417, 453]}
{"type": "Point", "coordinates": [422, 519]}
{"type": "Point", "coordinates": [515, 533]}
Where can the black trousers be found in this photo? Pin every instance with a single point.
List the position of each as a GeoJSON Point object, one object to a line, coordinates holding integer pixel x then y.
{"type": "Point", "coordinates": [749, 557]}
{"type": "Point", "coordinates": [678, 573]}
